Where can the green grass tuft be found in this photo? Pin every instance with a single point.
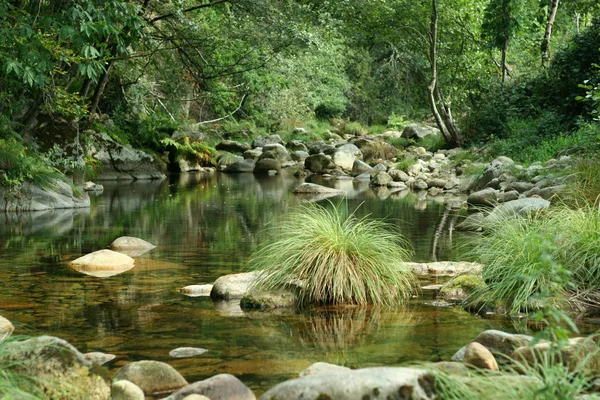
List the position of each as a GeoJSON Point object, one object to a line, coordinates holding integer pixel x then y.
{"type": "Point", "coordinates": [340, 258]}
{"type": "Point", "coordinates": [378, 150]}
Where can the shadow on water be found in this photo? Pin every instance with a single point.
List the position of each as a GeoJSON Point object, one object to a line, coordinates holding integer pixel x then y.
{"type": "Point", "coordinates": [206, 226]}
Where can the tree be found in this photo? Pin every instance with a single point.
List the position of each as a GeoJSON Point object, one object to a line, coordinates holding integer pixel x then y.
{"type": "Point", "coordinates": [548, 32]}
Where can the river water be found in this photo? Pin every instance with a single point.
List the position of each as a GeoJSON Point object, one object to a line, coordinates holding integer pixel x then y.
{"type": "Point", "coordinates": [205, 227]}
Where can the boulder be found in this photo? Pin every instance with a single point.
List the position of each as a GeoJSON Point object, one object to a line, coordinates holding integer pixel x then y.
{"type": "Point", "coordinates": [551, 191]}
{"type": "Point", "coordinates": [418, 132]}
{"type": "Point", "coordinates": [125, 390]}
{"type": "Point", "coordinates": [6, 329]}
{"type": "Point", "coordinates": [196, 290]}
{"type": "Point", "coordinates": [579, 353]}
{"type": "Point", "coordinates": [419, 184]}
{"type": "Point", "coordinates": [519, 207]}
{"type": "Point", "coordinates": [503, 197]}
{"type": "Point", "coordinates": [60, 371]}
{"type": "Point", "coordinates": [485, 197]}
{"type": "Point", "coordinates": [151, 376]}
{"type": "Point", "coordinates": [296, 145]}
{"type": "Point", "coordinates": [299, 155]}
{"type": "Point", "coordinates": [380, 178]}
{"type": "Point", "coordinates": [318, 163]}
{"type": "Point", "coordinates": [473, 222]}
{"type": "Point", "coordinates": [232, 146]}
{"type": "Point", "coordinates": [278, 151]}
{"type": "Point", "coordinates": [267, 164]}
{"type": "Point", "coordinates": [345, 155]}
{"type": "Point", "coordinates": [234, 286]}
{"type": "Point", "coordinates": [33, 198]}
{"type": "Point", "coordinates": [397, 185]}
{"type": "Point", "coordinates": [257, 299]}
{"type": "Point", "coordinates": [130, 243]}
{"type": "Point", "coordinates": [360, 167]}
{"type": "Point", "coordinates": [492, 171]}
{"type": "Point", "coordinates": [103, 263]}
{"type": "Point", "coordinates": [398, 175]}
{"type": "Point", "coordinates": [461, 287]}
{"type": "Point", "coordinates": [520, 187]}
{"type": "Point", "coordinates": [479, 356]}
{"type": "Point", "coordinates": [262, 141]}
{"type": "Point", "coordinates": [445, 268]}
{"type": "Point", "coordinates": [502, 343]}
{"type": "Point", "coordinates": [253, 154]}
{"type": "Point", "coordinates": [246, 165]}
{"type": "Point", "coordinates": [121, 162]}
{"type": "Point", "coordinates": [218, 387]}
{"type": "Point", "coordinates": [189, 165]}
{"type": "Point", "coordinates": [99, 358]}
{"type": "Point", "coordinates": [320, 147]}
{"type": "Point", "coordinates": [377, 382]}
{"type": "Point", "coordinates": [322, 368]}
{"type": "Point", "coordinates": [92, 187]}
{"type": "Point", "coordinates": [187, 352]}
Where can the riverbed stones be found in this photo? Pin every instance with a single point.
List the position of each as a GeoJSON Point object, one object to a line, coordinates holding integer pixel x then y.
{"type": "Point", "coordinates": [126, 390]}
{"type": "Point", "coordinates": [485, 197]}
{"type": "Point", "coordinates": [218, 387]}
{"type": "Point", "coordinates": [499, 342]}
{"type": "Point", "coordinates": [103, 263]}
{"type": "Point", "coordinates": [322, 368]}
{"type": "Point", "coordinates": [398, 175]}
{"type": "Point", "coordinates": [32, 198]}
{"type": "Point", "coordinates": [445, 268]}
{"type": "Point", "coordinates": [313, 188]}
{"type": "Point", "coordinates": [92, 187]}
{"type": "Point", "coordinates": [151, 376]}
{"type": "Point", "coordinates": [479, 356]}
{"type": "Point", "coordinates": [265, 165]}
{"type": "Point", "coordinates": [380, 178]}
{"type": "Point", "coordinates": [60, 370]}
{"type": "Point", "coordinates": [187, 352]}
{"type": "Point", "coordinates": [6, 329]}
{"type": "Point", "coordinates": [196, 290]}
{"type": "Point", "coordinates": [234, 286]}
{"type": "Point", "coordinates": [345, 155]}
{"type": "Point", "coordinates": [377, 382]}
{"type": "Point", "coordinates": [296, 145]}
{"type": "Point", "coordinates": [360, 167]}
{"type": "Point", "coordinates": [245, 165]}
{"type": "Point", "coordinates": [318, 163]}
{"type": "Point", "coordinates": [299, 155]}
{"type": "Point", "coordinates": [232, 146]}
{"type": "Point", "coordinates": [257, 299]}
{"type": "Point", "coordinates": [130, 243]}
{"type": "Point", "coordinates": [97, 357]}
{"type": "Point", "coordinates": [419, 132]}
{"type": "Point", "coordinates": [262, 141]}
{"type": "Point", "coordinates": [580, 352]}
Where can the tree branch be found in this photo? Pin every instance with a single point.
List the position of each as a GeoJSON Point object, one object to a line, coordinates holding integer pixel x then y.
{"type": "Point", "coordinates": [198, 7]}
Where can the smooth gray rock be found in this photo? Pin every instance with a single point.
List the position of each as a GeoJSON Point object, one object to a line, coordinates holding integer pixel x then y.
{"type": "Point", "coordinates": [296, 145]}
{"type": "Point", "coordinates": [125, 390]}
{"type": "Point", "coordinates": [234, 286]}
{"type": "Point", "coordinates": [186, 352]}
{"type": "Point", "coordinates": [151, 376]}
{"type": "Point", "coordinates": [377, 383]}
{"type": "Point", "coordinates": [322, 368]}
{"type": "Point", "coordinates": [99, 357]}
{"type": "Point", "coordinates": [92, 187]}
{"type": "Point", "coordinates": [503, 343]}
{"type": "Point", "coordinates": [262, 141]}
{"type": "Point", "coordinates": [232, 146]}
{"type": "Point", "coordinates": [33, 198]}
{"type": "Point", "coordinates": [345, 155]}
{"type": "Point", "coordinates": [419, 131]}
{"type": "Point", "coordinates": [130, 243]}
{"type": "Point", "coordinates": [299, 155]}
{"type": "Point", "coordinates": [103, 263]}
{"type": "Point", "coordinates": [256, 299]}
{"type": "Point", "coordinates": [246, 165]}
{"type": "Point", "coordinates": [360, 167]}
{"type": "Point", "coordinates": [504, 197]}
{"type": "Point", "coordinates": [519, 186]}
{"type": "Point", "coordinates": [519, 207]}
{"type": "Point", "coordinates": [321, 147]}
{"type": "Point", "coordinates": [218, 387]}
{"type": "Point", "coordinates": [473, 222]}
{"type": "Point", "coordinates": [313, 188]}
{"type": "Point", "coordinates": [485, 197]}
{"type": "Point", "coordinates": [196, 290]}
{"type": "Point", "coordinates": [398, 175]}
{"type": "Point", "coordinates": [318, 163]}
{"type": "Point", "coordinates": [380, 178]}
{"type": "Point", "coordinates": [265, 165]}
{"type": "Point", "coordinates": [253, 154]}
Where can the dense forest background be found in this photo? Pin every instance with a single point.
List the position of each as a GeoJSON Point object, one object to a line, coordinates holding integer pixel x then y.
{"type": "Point", "coordinates": [508, 74]}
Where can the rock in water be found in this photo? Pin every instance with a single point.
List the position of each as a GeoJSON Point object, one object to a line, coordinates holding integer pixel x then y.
{"type": "Point", "coordinates": [479, 356]}
{"type": "Point", "coordinates": [125, 390]}
{"type": "Point", "coordinates": [98, 357]}
{"type": "Point", "coordinates": [103, 263]}
{"type": "Point", "coordinates": [185, 352]}
{"type": "Point", "coordinates": [196, 290]}
{"type": "Point", "coordinates": [233, 286]}
{"type": "Point", "coordinates": [131, 246]}
{"type": "Point", "coordinates": [219, 387]}
{"type": "Point", "coordinates": [151, 376]}
{"type": "Point", "coordinates": [6, 329]}
{"type": "Point", "coordinates": [59, 369]}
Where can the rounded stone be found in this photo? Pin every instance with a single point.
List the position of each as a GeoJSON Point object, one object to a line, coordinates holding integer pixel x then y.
{"type": "Point", "coordinates": [98, 357]}
{"type": "Point", "coordinates": [130, 242]}
{"type": "Point", "coordinates": [6, 329]}
{"type": "Point", "coordinates": [126, 390]}
{"type": "Point", "coordinates": [196, 290]}
{"type": "Point", "coordinates": [103, 263]}
{"type": "Point", "coordinates": [185, 352]}
{"type": "Point", "coordinates": [151, 376]}
{"type": "Point", "coordinates": [479, 356]}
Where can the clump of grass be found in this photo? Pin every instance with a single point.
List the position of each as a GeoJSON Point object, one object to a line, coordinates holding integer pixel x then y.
{"type": "Point", "coordinates": [225, 158]}
{"type": "Point", "coordinates": [433, 143]}
{"type": "Point", "coordinates": [355, 128]}
{"type": "Point", "coordinates": [405, 163]}
{"type": "Point", "coordinates": [378, 150]}
{"type": "Point", "coordinates": [338, 257]}
{"type": "Point", "coordinates": [399, 143]}
{"type": "Point", "coordinates": [586, 183]}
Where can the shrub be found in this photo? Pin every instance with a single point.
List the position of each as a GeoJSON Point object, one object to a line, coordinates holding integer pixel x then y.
{"type": "Point", "coordinates": [397, 122]}
{"type": "Point", "coordinates": [19, 165]}
{"type": "Point", "coordinates": [433, 143]}
{"type": "Point", "coordinates": [339, 258]}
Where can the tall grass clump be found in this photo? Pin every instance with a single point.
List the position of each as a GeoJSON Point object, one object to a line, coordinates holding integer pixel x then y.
{"type": "Point", "coordinates": [338, 257]}
{"type": "Point", "coordinates": [378, 150]}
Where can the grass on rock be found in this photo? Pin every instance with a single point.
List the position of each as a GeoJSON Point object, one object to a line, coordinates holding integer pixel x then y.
{"type": "Point", "coordinates": [340, 258]}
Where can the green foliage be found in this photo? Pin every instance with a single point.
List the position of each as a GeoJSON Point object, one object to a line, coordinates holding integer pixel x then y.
{"type": "Point", "coordinates": [587, 184]}
{"type": "Point", "coordinates": [19, 165]}
{"type": "Point", "coordinates": [355, 128]}
{"type": "Point", "coordinates": [378, 150]}
{"type": "Point", "coordinates": [339, 258]}
{"type": "Point", "coordinates": [397, 122]}
{"type": "Point", "coordinates": [405, 163]}
{"type": "Point", "coordinates": [198, 151]}
{"type": "Point", "coordinates": [433, 143]}
{"type": "Point", "coordinates": [399, 143]}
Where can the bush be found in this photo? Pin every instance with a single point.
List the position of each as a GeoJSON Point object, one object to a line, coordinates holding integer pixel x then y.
{"type": "Point", "coordinates": [18, 165]}
{"type": "Point", "coordinates": [339, 258]}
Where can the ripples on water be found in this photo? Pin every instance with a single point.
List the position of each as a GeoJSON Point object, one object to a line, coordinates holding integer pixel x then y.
{"type": "Point", "coordinates": [206, 227]}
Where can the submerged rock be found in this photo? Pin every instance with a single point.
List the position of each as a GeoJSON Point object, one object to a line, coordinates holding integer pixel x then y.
{"type": "Point", "coordinates": [151, 376]}
{"type": "Point", "coordinates": [125, 390]}
{"type": "Point", "coordinates": [379, 382]}
{"type": "Point", "coordinates": [59, 369]}
{"type": "Point", "coordinates": [197, 290]}
{"type": "Point", "coordinates": [99, 358]}
{"type": "Point", "coordinates": [218, 387]}
{"type": "Point", "coordinates": [314, 192]}
{"type": "Point", "coordinates": [131, 246]}
{"type": "Point", "coordinates": [186, 352]}
{"type": "Point", "coordinates": [103, 263]}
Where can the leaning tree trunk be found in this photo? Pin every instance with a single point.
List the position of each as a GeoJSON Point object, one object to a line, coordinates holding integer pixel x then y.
{"type": "Point", "coordinates": [100, 88]}
{"type": "Point", "coordinates": [503, 62]}
{"type": "Point", "coordinates": [548, 32]}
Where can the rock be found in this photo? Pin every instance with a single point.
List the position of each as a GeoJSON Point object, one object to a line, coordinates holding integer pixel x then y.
{"type": "Point", "coordinates": [461, 287]}
{"type": "Point", "coordinates": [234, 286]}
{"type": "Point", "coordinates": [279, 151]}
{"type": "Point", "coordinates": [451, 368]}
{"type": "Point", "coordinates": [322, 367]}
{"type": "Point", "coordinates": [459, 356]}
{"type": "Point", "coordinates": [218, 387]}
{"type": "Point", "coordinates": [379, 382]}
{"type": "Point", "coordinates": [267, 164]}
{"type": "Point", "coordinates": [186, 352]}
{"type": "Point", "coordinates": [99, 358]}
{"type": "Point", "coordinates": [121, 162]}
{"type": "Point", "coordinates": [256, 299]}
{"type": "Point", "coordinates": [366, 177]}
{"type": "Point", "coordinates": [32, 198]}
{"type": "Point", "coordinates": [6, 329]}
{"type": "Point", "coordinates": [232, 146]}
{"type": "Point", "coordinates": [398, 175]}
{"type": "Point", "coordinates": [189, 165]}
{"type": "Point", "coordinates": [299, 155]}
{"type": "Point", "coordinates": [419, 184]}
{"type": "Point", "coordinates": [519, 186]}
{"type": "Point", "coordinates": [296, 145]}
{"type": "Point", "coordinates": [58, 368]}
{"type": "Point", "coordinates": [580, 353]}
{"type": "Point", "coordinates": [437, 182]}
{"type": "Point", "coordinates": [103, 263]}
{"type": "Point", "coordinates": [151, 376]}
{"type": "Point", "coordinates": [253, 154]}
{"type": "Point", "coordinates": [551, 191]}
{"type": "Point", "coordinates": [485, 197]}
{"type": "Point", "coordinates": [391, 134]}
{"type": "Point", "coordinates": [125, 390]}
{"type": "Point", "coordinates": [380, 178]}
{"type": "Point", "coordinates": [520, 207]}
{"type": "Point", "coordinates": [397, 185]}
{"type": "Point", "coordinates": [478, 356]}
{"type": "Point", "coordinates": [445, 268]}
{"type": "Point", "coordinates": [92, 187]}
{"type": "Point", "coordinates": [196, 290]}
{"type": "Point", "coordinates": [318, 163]}
{"type": "Point", "coordinates": [246, 165]}
{"type": "Point", "coordinates": [321, 147]}
{"type": "Point", "coordinates": [419, 132]}
{"type": "Point", "coordinates": [262, 141]}
{"type": "Point", "coordinates": [503, 197]}
{"type": "Point", "coordinates": [493, 171]}
{"type": "Point", "coordinates": [195, 397]}
{"type": "Point", "coordinates": [360, 167]}
{"type": "Point", "coordinates": [345, 155]}
{"type": "Point", "coordinates": [299, 131]}
{"type": "Point", "coordinates": [502, 343]}
{"type": "Point", "coordinates": [130, 243]}
{"type": "Point", "coordinates": [312, 188]}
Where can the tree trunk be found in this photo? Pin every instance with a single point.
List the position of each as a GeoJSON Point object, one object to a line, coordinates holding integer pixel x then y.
{"type": "Point", "coordinates": [100, 88]}
{"type": "Point", "coordinates": [503, 62]}
{"type": "Point", "coordinates": [548, 33]}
